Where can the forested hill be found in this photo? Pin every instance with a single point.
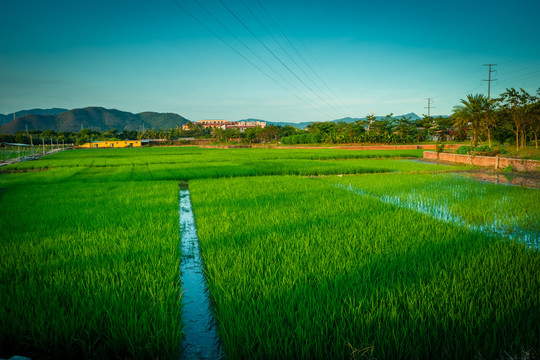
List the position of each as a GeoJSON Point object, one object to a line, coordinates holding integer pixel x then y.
{"type": "Point", "coordinates": [4, 119]}
{"type": "Point", "coordinates": [95, 118]}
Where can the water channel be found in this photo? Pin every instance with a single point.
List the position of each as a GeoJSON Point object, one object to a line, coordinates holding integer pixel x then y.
{"type": "Point", "coordinates": [201, 340]}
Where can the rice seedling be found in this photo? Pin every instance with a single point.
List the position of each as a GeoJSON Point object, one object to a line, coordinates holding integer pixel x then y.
{"type": "Point", "coordinates": [299, 268]}
{"type": "Point", "coordinates": [194, 156]}
{"type": "Point", "coordinates": [505, 210]}
{"type": "Point", "coordinates": [193, 163]}
{"type": "Point", "coordinates": [89, 270]}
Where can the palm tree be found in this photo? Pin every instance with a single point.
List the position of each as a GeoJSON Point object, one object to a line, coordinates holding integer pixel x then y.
{"type": "Point", "coordinates": [472, 113]}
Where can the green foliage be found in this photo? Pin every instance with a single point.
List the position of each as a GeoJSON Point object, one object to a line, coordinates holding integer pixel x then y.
{"type": "Point", "coordinates": [439, 147]}
{"type": "Point", "coordinates": [471, 113]}
{"type": "Point", "coordinates": [315, 138]}
{"type": "Point", "coordinates": [464, 150]}
{"type": "Point", "coordinates": [508, 169]}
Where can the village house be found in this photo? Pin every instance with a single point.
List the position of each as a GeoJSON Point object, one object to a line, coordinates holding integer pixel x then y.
{"type": "Point", "coordinates": [112, 144]}
{"type": "Point", "coordinates": [225, 124]}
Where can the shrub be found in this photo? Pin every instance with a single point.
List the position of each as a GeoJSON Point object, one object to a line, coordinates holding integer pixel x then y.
{"type": "Point", "coordinates": [464, 150]}
{"type": "Point", "coordinates": [439, 147]}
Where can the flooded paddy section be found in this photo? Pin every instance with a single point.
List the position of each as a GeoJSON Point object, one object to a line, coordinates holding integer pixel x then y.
{"type": "Point", "coordinates": [525, 180]}
{"type": "Point", "coordinates": [201, 340]}
{"type": "Point", "coordinates": [443, 208]}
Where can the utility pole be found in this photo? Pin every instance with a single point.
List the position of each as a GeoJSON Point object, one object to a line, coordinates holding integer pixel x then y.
{"type": "Point", "coordinates": [489, 80]}
{"type": "Point", "coordinates": [370, 119]}
{"type": "Point", "coordinates": [428, 107]}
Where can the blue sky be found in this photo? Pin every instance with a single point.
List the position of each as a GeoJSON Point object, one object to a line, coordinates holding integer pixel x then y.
{"type": "Point", "coordinates": [327, 59]}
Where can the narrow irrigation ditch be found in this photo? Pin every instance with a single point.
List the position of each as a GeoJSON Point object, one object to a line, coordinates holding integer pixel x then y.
{"type": "Point", "coordinates": [201, 340]}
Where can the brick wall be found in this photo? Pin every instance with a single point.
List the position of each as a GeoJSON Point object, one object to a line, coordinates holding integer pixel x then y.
{"type": "Point", "coordinates": [487, 161]}
{"type": "Point", "coordinates": [374, 147]}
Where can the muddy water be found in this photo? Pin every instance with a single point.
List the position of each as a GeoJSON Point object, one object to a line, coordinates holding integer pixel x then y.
{"type": "Point", "coordinates": [505, 179]}
{"type": "Point", "coordinates": [201, 340]}
{"type": "Point", "coordinates": [530, 180]}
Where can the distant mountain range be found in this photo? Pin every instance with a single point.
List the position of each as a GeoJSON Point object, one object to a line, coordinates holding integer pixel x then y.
{"type": "Point", "coordinates": [98, 118]}
{"type": "Point", "coordinates": [4, 119]}
{"type": "Point", "coordinates": [95, 118]}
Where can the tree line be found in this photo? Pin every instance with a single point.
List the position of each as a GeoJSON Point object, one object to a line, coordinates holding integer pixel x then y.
{"type": "Point", "coordinates": [513, 117]}
{"type": "Point", "coordinates": [514, 112]}
{"type": "Point", "coordinates": [37, 137]}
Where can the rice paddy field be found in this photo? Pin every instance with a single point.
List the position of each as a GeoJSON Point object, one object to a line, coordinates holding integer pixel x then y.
{"type": "Point", "coordinates": [320, 253]}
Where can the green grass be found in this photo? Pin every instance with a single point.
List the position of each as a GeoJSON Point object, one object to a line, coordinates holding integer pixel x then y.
{"type": "Point", "coordinates": [90, 270]}
{"type": "Point", "coordinates": [193, 155]}
{"type": "Point", "coordinates": [299, 266]}
{"type": "Point", "coordinates": [194, 163]}
{"type": "Point", "coordinates": [499, 209]}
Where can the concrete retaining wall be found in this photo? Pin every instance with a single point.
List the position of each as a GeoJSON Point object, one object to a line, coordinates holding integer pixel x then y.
{"type": "Point", "coordinates": [487, 161]}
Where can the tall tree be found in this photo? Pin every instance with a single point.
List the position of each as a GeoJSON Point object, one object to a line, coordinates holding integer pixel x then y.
{"type": "Point", "coordinates": [444, 126]}
{"type": "Point", "coordinates": [382, 126]}
{"type": "Point", "coordinates": [370, 119]}
{"type": "Point", "coordinates": [533, 116]}
{"type": "Point", "coordinates": [513, 102]}
{"type": "Point", "coordinates": [424, 128]}
{"type": "Point", "coordinates": [403, 126]}
{"type": "Point", "coordinates": [471, 113]}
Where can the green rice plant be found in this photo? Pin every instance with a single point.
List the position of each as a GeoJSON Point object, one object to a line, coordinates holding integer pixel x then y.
{"type": "Point", "coordinates": [505, 210]}
{"type": "Point", "coordinates": [300, 268]}
{"type": "Point", "coordinates": [89, 249]}
{"type": "Point", "coordinates": [193, 163]}
{"type": "Point", "coordinates": [89, 270]}
{"type": "Point", "coordinates": [193, 155]}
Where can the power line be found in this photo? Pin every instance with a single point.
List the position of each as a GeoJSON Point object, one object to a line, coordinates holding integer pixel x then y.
{"type": "Point", "coordinates": [289, 55]}
{"type": "Point", "coordinates": [243, 43]}
{"type": "Point", "coordinates": [520, 69]}
{"type": "Point", "coordinates": [270, 51]}
{"type": "Point", "coordinates": [302, 58]}
{"type": "Point", "coordinates": [237, 52]}
{"type": "Point", "coordinates": [524, 76]}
